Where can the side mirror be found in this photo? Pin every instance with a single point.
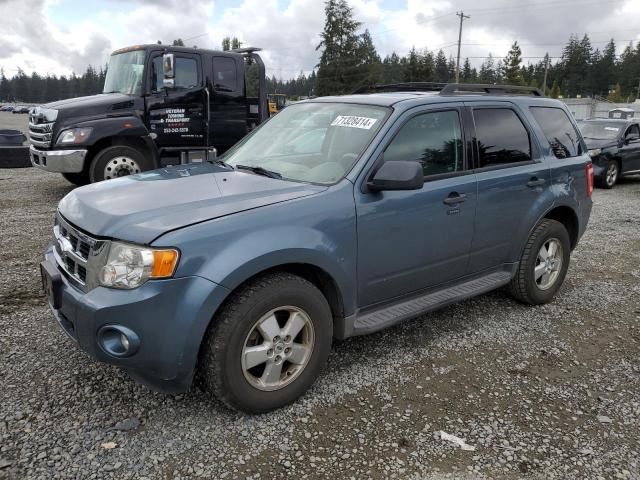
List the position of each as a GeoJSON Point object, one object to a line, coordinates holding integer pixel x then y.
{"type": "Point", "coordinates": [168, 72]}
{"type": "Point", "coordinates": [394, 175]}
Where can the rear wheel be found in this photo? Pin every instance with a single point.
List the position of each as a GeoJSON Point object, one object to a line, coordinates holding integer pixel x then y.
{"type": "Point", "coordinates": [118, 161]}
{"type": "Point", "coordinates": [268, 344]}
{"type": "Point", "coordinates": [543, 264]}
{"type": "Point", "coordinates": [78, 179]}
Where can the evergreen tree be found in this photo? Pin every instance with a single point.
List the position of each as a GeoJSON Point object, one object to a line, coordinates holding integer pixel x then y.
{"type": "Point", "coordinates": [5, 87]}
{"type": "Point", "coordinates": [339, 45]}
{"type": "Point", "coordinates": [555, 90]}
{"type": "Point", "coordinates": [178, 43]}
{"type": "Point", "coordinates": [616, 95]}
{"type": "Point", "coordinates": [511, 72]}
{"type": "Point", "coordinates": [488, 71]}
{"type": "Point", "coordinates": [441, 67]}
{"type": "Point", "coordinates": [467, 75]}
{"type": "Point", "coordinates": [370, 70]}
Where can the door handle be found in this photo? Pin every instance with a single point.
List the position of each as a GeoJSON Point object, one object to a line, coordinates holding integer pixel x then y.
{"type": "Point", "coordinates": [454, 198]}
{"type": "Point", "coordinates": [535, 182]}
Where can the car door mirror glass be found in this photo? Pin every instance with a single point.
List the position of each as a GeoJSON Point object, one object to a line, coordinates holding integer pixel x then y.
{"type": "Point", "coordinates": [168, 70]}
{"type": "Point", "coordinates": [397, 175]}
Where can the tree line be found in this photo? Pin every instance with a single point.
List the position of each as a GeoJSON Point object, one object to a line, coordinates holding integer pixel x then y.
{"type": "Point", "coordinates": [348, 59]}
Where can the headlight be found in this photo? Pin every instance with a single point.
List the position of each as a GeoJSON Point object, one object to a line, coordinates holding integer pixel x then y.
{"type": "Point", "coordinates": [74, 136]}
{"type": "Point", "coordinates": [595, 152]}
{"type": "Point", "coordinates": [129, 266]}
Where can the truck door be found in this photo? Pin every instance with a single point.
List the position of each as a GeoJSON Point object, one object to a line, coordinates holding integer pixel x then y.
{"type": "Point", "coordinates": [176, 116]}
{"type": "Point", "coordinates": [228, 103]}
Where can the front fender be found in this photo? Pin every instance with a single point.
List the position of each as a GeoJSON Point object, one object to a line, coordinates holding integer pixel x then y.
{"type": "Point", "coordinates": [318, 230]}
{"type": "Point", "coordinates": [125, 126]}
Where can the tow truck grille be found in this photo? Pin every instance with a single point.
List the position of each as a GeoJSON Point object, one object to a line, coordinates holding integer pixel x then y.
{"type": "Point", "coordinates": [72, 249]}
{"type": "Point", "coordinates": [40, 134]}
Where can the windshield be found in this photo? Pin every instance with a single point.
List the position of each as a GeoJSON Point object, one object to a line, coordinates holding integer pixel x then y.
{"type": "Point", "coordinates": [600, 130]}
{"type": "Point", "coordinates": [310, 142]}
{"type": "Point", "coordinates": [124, 74]}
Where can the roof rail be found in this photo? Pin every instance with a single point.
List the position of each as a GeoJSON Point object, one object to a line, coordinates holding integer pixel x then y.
{"type": "Point", "coordinates": [451, 88]}
{"type": "Point", "coordinates": [401, 87]}
{"type": "Point", "coordinates": [489, 89]}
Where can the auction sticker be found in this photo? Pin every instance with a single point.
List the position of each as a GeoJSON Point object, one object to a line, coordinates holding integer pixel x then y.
{"type": "Point", "coordinates": [353, 122]}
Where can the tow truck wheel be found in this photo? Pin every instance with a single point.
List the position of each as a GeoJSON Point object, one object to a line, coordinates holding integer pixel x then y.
{"type": "Point", "coordinates": [119, 161]}
{"type": "Point", "coordinates": [78, 179]}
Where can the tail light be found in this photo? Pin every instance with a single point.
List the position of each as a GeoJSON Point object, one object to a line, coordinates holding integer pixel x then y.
{"type": "Point", "coordinates": [589, 179]}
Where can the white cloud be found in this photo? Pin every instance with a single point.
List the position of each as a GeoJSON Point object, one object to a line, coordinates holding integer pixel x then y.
{"type": "Point", "coordinates": [289, 30]}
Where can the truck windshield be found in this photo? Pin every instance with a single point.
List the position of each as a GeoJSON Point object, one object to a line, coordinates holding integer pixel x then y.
{"type": "Point", "coordinates": [600, 130]}
{"type": "Point", "coordinates": [124, 74]}
{"type": "Point", "coordinates": [310, 142]}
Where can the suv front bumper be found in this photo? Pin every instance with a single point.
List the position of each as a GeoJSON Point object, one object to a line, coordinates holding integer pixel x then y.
{"type": "Point", "coordinates": [60, 161]}
{"type": "Point", "coordinates": [169, 318]}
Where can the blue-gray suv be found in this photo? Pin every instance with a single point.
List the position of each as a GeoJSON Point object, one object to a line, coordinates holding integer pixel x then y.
{"type": "Point", "coordinates": [340, 216]}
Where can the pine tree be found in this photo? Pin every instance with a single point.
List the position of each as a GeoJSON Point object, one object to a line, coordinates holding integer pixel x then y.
{"type": "Point", "coordinates": [338, 61]}
{"type": "Point", "coordinates": [442, 68]}
{"type": "Point", "coordinates": [226, 44]}
{"type": "Point", "coordinates": [555, 90]}
{"type": "Point", "coordinates": [178, 43]}
{"type": "Point", "coordinates": [466, 74]}
{"type": "Point", "coordinates": [370, 70]}
{"type": "Point", "coordinates": [5, 87]}
{"type": "Point", "coordinates": [488, 71]}
{"type": "Point", "coordinates": [511, 71]}
{"type": "Point", "coordinates": [616, 95]}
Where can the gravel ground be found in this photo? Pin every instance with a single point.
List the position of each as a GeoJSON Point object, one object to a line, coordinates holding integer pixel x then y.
{"type": "Point", "coordinates": [14, 121]}
{"type": "Point", "coordinates": [544, 392]}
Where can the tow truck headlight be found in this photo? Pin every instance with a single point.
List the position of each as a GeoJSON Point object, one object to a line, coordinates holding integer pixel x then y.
{"type": "Point", "coordinates": [129, 266]}
{"type": "Point", "coordinates": [595, 152]}
{"type": "Point", "coordinates": [74, 136]}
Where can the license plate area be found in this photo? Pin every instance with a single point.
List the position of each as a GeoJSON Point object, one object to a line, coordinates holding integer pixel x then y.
{"type": "Point", "coordinates": [51, 283]}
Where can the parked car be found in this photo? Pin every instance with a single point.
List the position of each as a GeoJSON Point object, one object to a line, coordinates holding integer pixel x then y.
{"type": "Point", "coordinates": [7, 108]}
{"type": "Point", "coordinates": [21, 109]}
{"type": "Point", "coordinates": [614, 146]}
{"type": "Point", "coordinates": [247, 268]}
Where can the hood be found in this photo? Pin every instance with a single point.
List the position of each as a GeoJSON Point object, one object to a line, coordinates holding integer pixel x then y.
{"type": "Point", "coordinates": [140, 208]}
{"type": "Point", "coordinates": [593, 143]}
{"type": "Point", "coordinates": [93, 105]}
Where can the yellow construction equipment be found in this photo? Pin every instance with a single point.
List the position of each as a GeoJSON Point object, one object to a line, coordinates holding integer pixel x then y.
{"type": "Point", "coordinates": [277, 102]}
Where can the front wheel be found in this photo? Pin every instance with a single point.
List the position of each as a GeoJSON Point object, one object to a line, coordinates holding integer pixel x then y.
{"type": "Point", "coordinates": [611, 174]}
{"type": "Point", "coordinates": [268, 344]}
{"type": "Point", "coordinates": [543, 264]}
{"type": "Point", "coordinates": [118, 161]}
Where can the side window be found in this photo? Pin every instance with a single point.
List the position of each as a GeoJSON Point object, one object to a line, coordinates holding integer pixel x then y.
{"type": "Point", "coordinates": [186, 71]}
{"type": "Point", "coordinates": [224, 74]}
{"type": "Point", "coordinates": [559, 130]}
{"type": "Point", "coordinates": [633, 130]}
{"type": "Point", "coordinates": [157, 82]}
{"type": "Point", "coordinates": [433, 139]}
{"type": "Point", "coordinates": [501, 137]}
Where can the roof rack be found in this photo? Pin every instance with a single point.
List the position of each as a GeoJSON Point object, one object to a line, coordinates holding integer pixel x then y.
{"type": "Point", "coordinates": [401, 87]}
{"type": "Point", "coordinates": [246, 50]}
{"type": "Point", "coordinates": [488, 89]}
{"type": "Point", "coordinates": [451, 88]}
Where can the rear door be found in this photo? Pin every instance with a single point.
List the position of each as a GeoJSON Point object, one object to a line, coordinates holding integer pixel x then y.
{"type": "Point", "coordinates": [176, 116]}
{"type": "Point", "coordinates": [512, 175]}
{"type": "Point", "coordinates": [228, 103]}
{"type": "Point", "coordinates": [414, 239]}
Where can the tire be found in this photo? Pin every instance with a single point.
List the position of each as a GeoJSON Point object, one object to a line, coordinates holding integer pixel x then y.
{"type": "Point", "coordinates": [121, 160]}
{"type": "Point", "coordinates": [222, 363]}
{"type": "Point", "coordinates": [78, 179]}
{"type": "Point", "coordinates": [526, 286]}
{"type": "Point", "coordinates": [610, 176]}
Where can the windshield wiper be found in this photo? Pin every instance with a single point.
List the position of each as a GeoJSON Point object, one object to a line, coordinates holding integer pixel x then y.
{"type": "Point", "coordinates": [222, 163]}
{"type": "Point", "coordinates": [260, 171]}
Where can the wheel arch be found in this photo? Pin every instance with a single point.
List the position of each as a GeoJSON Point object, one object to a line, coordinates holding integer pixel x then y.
{"type": "Point", "coordinates": [567, 217]}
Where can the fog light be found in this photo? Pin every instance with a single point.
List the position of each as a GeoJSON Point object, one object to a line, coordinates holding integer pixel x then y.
{"type": "Point", "coordinates": [118, 341]}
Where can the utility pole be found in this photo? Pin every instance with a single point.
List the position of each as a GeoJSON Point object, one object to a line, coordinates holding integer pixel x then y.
{"type": "Point", "coordinates": [462, 17]}
{"type": "Point", "coordinates": [546, 69]}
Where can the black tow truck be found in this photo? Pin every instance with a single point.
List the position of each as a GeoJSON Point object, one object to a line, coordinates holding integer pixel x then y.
{"type": "Point", "coordinates": [160, 105]}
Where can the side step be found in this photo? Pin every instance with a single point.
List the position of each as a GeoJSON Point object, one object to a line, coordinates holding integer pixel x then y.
{"type": "Point", "coordinates": [382, 318]}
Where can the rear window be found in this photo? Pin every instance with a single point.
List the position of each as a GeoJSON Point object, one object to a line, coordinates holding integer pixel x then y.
{"type": "Point", "coordinates": [559, 130]}
{"type": "Point", "coordinates": [501, 137]}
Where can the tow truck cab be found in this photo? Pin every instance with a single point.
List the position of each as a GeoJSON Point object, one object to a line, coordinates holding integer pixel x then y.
{"type": "Point", "coordinates": [160, 105]}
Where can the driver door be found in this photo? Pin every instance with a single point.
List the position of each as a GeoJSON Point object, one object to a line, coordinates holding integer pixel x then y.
{"type": "Point", "coordinates": [630, 151]}
{"type": "Point", "coordinates": [176, 116]}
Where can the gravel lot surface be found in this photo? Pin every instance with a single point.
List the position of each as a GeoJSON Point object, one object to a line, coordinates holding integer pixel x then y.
{"type": "Point", "coordinates": [545, 392]}
{"type": "Point", "coordinates": [14, 121]}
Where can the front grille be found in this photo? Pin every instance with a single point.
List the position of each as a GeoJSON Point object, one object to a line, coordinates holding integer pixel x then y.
{"type": "Point", "coordinates": [40, 134]}
{"type": "Point", "coordinates": [72, 250]}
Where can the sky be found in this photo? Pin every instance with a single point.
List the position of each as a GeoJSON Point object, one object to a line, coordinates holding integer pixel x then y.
{"type": "Point", "coordinates": [64, 36]}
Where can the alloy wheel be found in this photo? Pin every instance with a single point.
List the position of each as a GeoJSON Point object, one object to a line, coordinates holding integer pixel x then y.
{"type": "Point", "coordinates": [278, 348]}
{"type": "Point", "coordinates": [548, 264]}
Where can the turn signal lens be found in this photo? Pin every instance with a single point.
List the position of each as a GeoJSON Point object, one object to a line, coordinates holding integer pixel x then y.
{"type": "Point", "coordinates": [164, 263]}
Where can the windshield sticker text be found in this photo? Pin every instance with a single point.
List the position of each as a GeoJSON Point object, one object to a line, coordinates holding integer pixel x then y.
{"type": "Point", "coordinates": [353, 122]}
